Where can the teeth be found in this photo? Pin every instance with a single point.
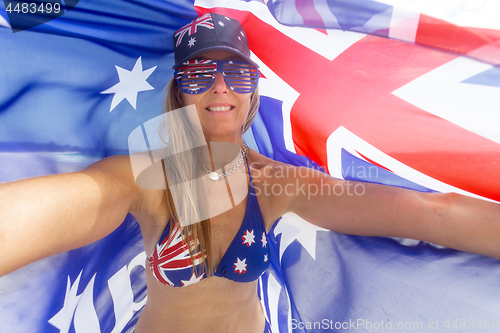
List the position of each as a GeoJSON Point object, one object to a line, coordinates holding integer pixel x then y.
{"type": "Point", "coordinates": [219, 108]}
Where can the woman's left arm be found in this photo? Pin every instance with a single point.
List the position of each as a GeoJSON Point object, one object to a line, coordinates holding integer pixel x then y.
{"type": "Point", "coordinates": [447, 219]}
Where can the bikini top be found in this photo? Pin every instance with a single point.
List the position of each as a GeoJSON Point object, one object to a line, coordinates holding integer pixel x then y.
{"type": "Point", "coordinates": [246, 258]}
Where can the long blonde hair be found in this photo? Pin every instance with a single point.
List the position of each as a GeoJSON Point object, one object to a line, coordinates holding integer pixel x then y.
{"type": "Point", "coordinates": [197, 235]}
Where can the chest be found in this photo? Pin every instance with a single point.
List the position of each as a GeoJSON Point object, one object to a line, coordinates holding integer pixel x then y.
{"type": "Point", "coordinates": [238, 248]}
{"type": "Point", "coordinates": [224, 228]}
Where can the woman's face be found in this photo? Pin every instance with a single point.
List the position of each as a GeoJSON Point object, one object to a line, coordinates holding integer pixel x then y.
{"type": "Point", "coordinates": [222, 111]}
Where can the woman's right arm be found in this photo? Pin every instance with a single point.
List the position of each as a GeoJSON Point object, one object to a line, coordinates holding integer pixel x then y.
{"type": "Point", "coordinates": [43, 216]}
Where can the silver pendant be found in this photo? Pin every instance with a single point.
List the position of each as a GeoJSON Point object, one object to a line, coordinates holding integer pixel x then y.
{"type": "Point", "coordinates": [213, 175]}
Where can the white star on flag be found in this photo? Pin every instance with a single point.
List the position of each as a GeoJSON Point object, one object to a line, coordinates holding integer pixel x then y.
{"type": "Point", "coordinates": [3, 22]}
{"type": "Point", "coordinates": [248, 238]}
{"type": "Point", "coordinates": [293, 227]}
{"type": "Point", "coordinates": [192, 280]}
{"type": "Point", "coordinates": [221, 23]}
{"type": "Point", "coordinates": [62, 319]}
{"type": "Point", "coordinates": [240, 266]}
{"type": "Point", "coordinates": [131, 83]}
{"type": "Point", "coordinates": [227, 18]}
{"type": "Point", "coordinates": [264, 239]}
{"type": "Point", "coordinates": [191, 41]}
{"type": "Point", "coordinates": [265, 258]}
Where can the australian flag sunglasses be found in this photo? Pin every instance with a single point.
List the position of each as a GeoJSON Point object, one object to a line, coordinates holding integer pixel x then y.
{"type": "Point", "coordinates": [197, 76]}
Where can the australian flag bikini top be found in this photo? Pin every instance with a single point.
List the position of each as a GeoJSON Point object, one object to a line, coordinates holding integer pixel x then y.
{"type": "Point", "coordinates": [246, 258]}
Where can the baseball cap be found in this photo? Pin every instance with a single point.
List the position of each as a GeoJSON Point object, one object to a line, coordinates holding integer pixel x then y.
{"type": "Point", "coordinates": [210, 32]}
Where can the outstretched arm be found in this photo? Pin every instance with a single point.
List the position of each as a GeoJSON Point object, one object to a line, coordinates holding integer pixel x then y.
{"type": "Point", "coordinates": [62, 212]}
{"type": "Point", "coordinates": [447, 219]}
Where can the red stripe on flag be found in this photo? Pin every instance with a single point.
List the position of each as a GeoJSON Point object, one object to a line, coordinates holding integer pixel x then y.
{"type": "Point", "coordinates": [443, 35]}
{"type": "Point", "coordinates": [373, 162]}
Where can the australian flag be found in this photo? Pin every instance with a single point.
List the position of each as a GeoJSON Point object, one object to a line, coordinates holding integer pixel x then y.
{"type": "Point", "coordinates": [191, 28]}
{"type": "Point", "coordinates": [360, 89]}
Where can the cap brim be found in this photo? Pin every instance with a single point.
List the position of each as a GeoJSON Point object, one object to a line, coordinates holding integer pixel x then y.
{"type": "Point", "coordinates": [211, 48]}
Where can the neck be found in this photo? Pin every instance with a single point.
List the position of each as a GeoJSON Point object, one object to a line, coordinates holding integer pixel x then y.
{"type": "Point", "coordinates": [223, 154]}
{"type": "Point", "coordinates": [238, 140]}
{"type": "Point", "coordinates": [226, 172]}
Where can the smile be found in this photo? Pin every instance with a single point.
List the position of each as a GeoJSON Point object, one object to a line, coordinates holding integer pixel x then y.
{"type": "Point", "coordinates": [220, 108]}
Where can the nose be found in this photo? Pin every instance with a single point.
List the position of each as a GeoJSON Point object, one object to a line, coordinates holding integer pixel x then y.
{"type": "Point", "coordinates": [219, 86]}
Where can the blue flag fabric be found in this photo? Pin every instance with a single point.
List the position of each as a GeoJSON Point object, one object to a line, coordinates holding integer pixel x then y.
{"type": "Point", "coordinates": [73, 89]}
{"type": "Point", "coordinates": [59, 113]}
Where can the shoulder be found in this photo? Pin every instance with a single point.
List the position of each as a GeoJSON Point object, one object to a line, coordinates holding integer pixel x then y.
{"type": "Point", "coordinates": [274, 172]}
{"type": "Point", "coordinates": [263, 168]}
{"type": "Point", "coordinates": [260, 163]}
{"type": "Point", "coordinates": [270, 178]}
{"type": "Point", "coordinates": [284, 187]}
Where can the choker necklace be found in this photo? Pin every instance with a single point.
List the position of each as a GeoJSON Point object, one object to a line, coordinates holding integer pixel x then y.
{"type": "Point", "coordinates": [215, 176]}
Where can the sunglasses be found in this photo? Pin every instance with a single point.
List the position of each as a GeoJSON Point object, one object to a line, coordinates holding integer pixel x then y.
{"type": "Point", "coordinates": [197, 76]}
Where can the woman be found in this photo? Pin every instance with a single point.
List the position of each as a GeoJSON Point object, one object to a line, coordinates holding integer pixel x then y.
{"type": "Point", "coordinates": [227, 253]}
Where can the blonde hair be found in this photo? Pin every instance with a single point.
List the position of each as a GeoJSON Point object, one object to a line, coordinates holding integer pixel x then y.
{"type": "Point", "coordinates": [196, 235]}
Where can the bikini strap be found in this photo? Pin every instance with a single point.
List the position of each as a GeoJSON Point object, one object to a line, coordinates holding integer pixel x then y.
{"type": "Point", "coordinates": [248, 168]}
{"type": "Point", "coordinates": [250, 176]}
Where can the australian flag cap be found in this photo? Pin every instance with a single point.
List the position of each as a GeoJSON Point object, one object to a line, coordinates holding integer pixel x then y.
{"type": "Point", "coordinates": [210, 32]}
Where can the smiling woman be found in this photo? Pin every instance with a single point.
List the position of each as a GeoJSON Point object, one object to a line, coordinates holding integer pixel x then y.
{"type": "Point", "coordinates": [214, 73]}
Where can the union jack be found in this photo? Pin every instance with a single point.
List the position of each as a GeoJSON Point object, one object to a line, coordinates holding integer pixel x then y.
{"type": "Point", "coordinates": [171, 254]}
{"type": "Point", "coordinates": [188, 69]}
{"type": "Point", "coordinates": [203, 21]}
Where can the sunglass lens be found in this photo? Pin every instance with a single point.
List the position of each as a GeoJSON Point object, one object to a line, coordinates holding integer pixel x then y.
{"type": "Point", "coordinates": [195, 78]}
